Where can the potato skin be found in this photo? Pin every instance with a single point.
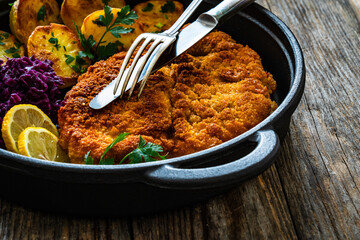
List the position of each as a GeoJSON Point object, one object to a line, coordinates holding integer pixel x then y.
{"type": "Point", "coordinates": [9, 41]}
{"type": "Point", "coordinates": [90, 28]}
{"type": "Point", "coordinates": [24, 16]}
{"type": "Point", "coordinates": [69, 44]}
{"type": "Point", "coordinates": [155, 20]}
{"type": "Point", "coordinates": [77, 10]}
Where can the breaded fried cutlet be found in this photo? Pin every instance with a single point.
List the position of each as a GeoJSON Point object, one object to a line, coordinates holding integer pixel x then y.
{"type": "Point", "coordinates": [214, 92]}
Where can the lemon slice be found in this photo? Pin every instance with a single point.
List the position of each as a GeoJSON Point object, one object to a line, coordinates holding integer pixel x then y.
{"type": "Point", "coordinates": [40, 143]}
{"type": "Point", "coordinates": [20, 117]}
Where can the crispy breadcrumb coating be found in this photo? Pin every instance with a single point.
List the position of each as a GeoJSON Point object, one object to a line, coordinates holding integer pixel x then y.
{"type": "Point", "coordinates": [214, 92]}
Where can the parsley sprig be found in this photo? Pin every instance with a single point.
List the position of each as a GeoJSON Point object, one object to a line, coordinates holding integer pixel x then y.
{"type": "Point", "coordinates": [110, 22]}
{"type": "Point", "coordinates": [145, 152]}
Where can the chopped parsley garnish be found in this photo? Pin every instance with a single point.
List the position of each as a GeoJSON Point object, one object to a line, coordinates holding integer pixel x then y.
{"type": "Point", "coordinates": [3, 36]}
{"type": "Point", "coordinates": [169, 6]}
{"type": "Point", "coordinates": [145, 152]}
{"type": "Point", "coordinates": [41, 13]}
{"type": "Point", "coordinates": [103, 50]}
{"type": "Point", "coordinates": [159, 25]}
{"type": "Point", "coordinates": [148, 7]}
{"type": "Point", "coordinates": [12, 50]}
{"type": "Point", "coordinates": [69, 59]}
{"type": "Point", "coordinates": [55, 41]}
{"type": "Point", "coordinates": [11, 4]}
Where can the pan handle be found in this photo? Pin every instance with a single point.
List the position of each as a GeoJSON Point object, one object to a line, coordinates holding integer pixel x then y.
{"type": "Point", "coordinates": [168, 176]}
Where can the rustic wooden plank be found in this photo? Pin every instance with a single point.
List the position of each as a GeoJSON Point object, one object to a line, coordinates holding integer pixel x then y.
{"type": "Point", "coordinates": [255, 209]}
{"type": "Point", "coordinates": [17, 222]}
{"type": "Point", "coordinates": [319, 165]}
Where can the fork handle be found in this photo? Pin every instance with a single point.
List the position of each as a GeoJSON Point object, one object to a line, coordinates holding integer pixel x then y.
{"type": "Point", "coordinates": [183, 18]}
{"type": "Point", "coordinates": [228, 7]}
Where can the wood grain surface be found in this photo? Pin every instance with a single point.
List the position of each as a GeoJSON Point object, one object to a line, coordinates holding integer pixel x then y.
{"type": "Point", "coordinates": [311, 192]}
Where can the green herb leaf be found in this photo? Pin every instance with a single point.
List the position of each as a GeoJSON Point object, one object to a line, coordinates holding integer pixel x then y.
{"type": "Point", "coordinates": [69, 59]}
{"type": "Point", "coordinates": [86, 43]}
{"type": "Point", "coordinates": [116, 31]}
{"type": "Point", "coordinates": [10, 4]}
{"type": "Point", "coordinates": [125, 16]}
{"type": "Point", "coordinates": [41, 13]}
{"type": "Point", "coordinates": [55, 41]}
{"type": "Point", "coordinates": [88, 159]}
{"type": "Point", "coordinates": [148, 7]}
{"type": "Point", "coordinates": [16, 55]}
{"type": "Point", "coordinates": [18, 44]}
{"type": "Point", "coordinates": [108, 161]}
{"type": "Point", "coordinates": [5, 35]}
{"type": "Point", "coordinates": [169, 6]}
{"type": "Point", "coordinates": [108, 50]}
{"type": "Point", "coordinates": [109, 16]}
{"type": "Point", "coordinates": [11, 50]}
{"type": "Point", "coordinates": [116, 140]}
{"type": "Point", "coordinates": [146, 152]}
{"type": "Point", "coordinates": [159, 25]}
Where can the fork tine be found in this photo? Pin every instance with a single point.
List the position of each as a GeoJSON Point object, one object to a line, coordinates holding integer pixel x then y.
{"type": "Point", "coordinates": [152, 64]}
{"type": "Point", "coordinates": [126, 61]}
{"type": "Point", "coordinates": [142, 64]}
{"type": "Point", "coordinates": [134, 63]}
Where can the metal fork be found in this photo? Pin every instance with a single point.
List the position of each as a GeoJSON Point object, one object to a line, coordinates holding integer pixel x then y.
{"type": "Point", "coordinates": [159, 43]}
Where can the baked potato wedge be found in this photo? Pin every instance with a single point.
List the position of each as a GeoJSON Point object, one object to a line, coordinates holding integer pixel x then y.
{"type": "Point", "coordinates": [26, 15]}
{"type": "Point", "coordinates": [10, 47]}
{"type": "Point", "coordinates": [77, 10]}
{"type": "Point", "coordinates": [90, 27]}
{"type": "Point", "coordinates": [158, 15]}
{"type": "Point", "coordinates": [59, 44]}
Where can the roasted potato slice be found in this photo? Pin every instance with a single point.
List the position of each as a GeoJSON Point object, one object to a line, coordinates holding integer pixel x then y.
{"type": "Point", "coordinates": [59, 44]}
{"type": "Point", "coordinates": [10, 47]}
{"type": "Point", "coordinates": [26, 15]}
{"type": "Point", "coordinates": [77, 10]}
{"type": "Point", "coordinates": [158, 15]}
{"type": "Point", "coordinates": [90, 27]}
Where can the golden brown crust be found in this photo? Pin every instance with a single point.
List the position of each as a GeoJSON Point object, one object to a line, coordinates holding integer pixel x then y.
{"type": "Point", "coordinates": [185, 107]}
{"type": "Point", "coordinates": [9, 42]}
{"type": "Point", "coordinates": [154, 20]}
{"type": "Point", "coordinates": [77, 10]}
{"type": "Point", "coordinates": [24, 16]}
{"type": "Point", "coordinates": [68, 45]}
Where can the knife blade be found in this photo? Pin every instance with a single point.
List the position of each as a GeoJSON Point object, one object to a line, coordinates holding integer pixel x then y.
{"type": "Point", "coordinates": [187, 37]}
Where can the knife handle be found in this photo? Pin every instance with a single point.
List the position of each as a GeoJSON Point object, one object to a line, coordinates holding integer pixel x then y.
{"type": "Point", "coordinates": [228, 7]}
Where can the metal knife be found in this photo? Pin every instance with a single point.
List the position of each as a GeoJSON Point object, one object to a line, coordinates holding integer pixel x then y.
{"type": "Point", "coordinates": [190, 35]}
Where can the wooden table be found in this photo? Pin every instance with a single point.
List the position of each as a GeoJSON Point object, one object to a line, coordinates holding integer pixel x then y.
{"type": "Point", "coordinates": [313, 189]}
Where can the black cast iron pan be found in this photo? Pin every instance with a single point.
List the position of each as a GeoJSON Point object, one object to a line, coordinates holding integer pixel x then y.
{"type": "Point", "coordinates": [149, 187]}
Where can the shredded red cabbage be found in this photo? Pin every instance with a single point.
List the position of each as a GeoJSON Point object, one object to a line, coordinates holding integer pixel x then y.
{"type": "Point", "coordinates": [29, 81]}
